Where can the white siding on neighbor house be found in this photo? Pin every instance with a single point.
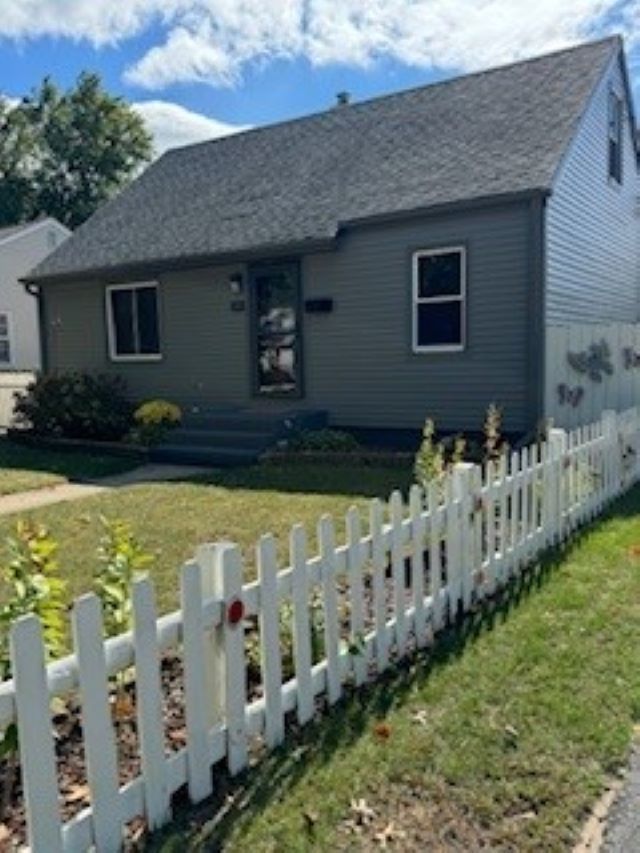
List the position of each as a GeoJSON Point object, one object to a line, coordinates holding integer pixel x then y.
{"type": "Point", "coordinates": [19, 254]}
{"type": "Point", "coordinates": [592, 223]}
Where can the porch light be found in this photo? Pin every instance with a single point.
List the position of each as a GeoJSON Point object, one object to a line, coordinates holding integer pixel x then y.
{"type": "Point", "coordinates": [236, 283]}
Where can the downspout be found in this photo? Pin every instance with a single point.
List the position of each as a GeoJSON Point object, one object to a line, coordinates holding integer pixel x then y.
{"type": "Point", "coordinates": [36, 291]}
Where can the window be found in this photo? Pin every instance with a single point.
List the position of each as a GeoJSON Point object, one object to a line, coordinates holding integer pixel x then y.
{"type": "Point", "coordinates": [615, 137]}
{"type": "Point", "coordinates": [5, 339]}
{"type": "Point", "coordinates": [132, 320]}
{"type": "Point", "coordinates": [439, 285]}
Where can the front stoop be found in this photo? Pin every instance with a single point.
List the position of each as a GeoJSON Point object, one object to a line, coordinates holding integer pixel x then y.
{"type": "Point", "coordinates": [232, 438]}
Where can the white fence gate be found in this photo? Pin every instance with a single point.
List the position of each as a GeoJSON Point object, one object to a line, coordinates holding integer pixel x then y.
{"type": "Point", "coordinates": [380, 594]}
{"type": "Point", "coordinates": [591, 368]}
{"type": "Point", "coordinates": [10, 385]}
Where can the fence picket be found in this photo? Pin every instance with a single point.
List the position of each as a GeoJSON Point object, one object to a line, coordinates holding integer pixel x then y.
{"type": "Point", "coordinates": [356, 595]}
{"type": "Point", "coordinates": [37, 751]}
{"type": "Point", "coordinates": [435, 555]}
{"type": "Point", "coordinates": [97, 726]}
{"type": "Point", "coordinates": [418, 531]}
{"type": "Point", "coordinates": [229, 647]}
{"type": "Point", "coordinates": [462, 490]}
{"type": "Point", "coordinates": [301, 624]}
{"type": "Point", "coordinates": [398, 571]}
{"type": "Point", "coordinates": [327, 543]}
{"type": "Point", "coordinates": [271, 658]}
{"type": "Point", "coordinates": [198, 702]}
{"type": "Point", "coordinates": [379, 562]}
{"type": "Point", "coordinates": [149, 706]}
{"type": "Point", "coordinates": [452, 546]}
{"type": "Point", "coordinates": [474, 532]}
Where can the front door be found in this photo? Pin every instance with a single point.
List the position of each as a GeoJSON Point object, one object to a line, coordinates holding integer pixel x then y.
{"type": "Point", "coordinates": [275, 292]}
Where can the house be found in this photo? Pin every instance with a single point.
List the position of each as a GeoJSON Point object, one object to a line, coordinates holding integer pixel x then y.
{"type": "Point", "coordinates": [379, 262]}
{"type": "Point", "coordinates": [21, 248]}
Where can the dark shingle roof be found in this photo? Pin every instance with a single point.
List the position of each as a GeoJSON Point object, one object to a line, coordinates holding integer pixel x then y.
{"type": "Point", "coordinates": [497, 132]}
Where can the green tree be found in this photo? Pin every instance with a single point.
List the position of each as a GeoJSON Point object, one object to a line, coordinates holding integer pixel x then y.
{"type": "Point", "coordinates": [64, 154]}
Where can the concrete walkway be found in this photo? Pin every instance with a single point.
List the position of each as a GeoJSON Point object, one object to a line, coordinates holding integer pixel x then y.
{"type": "Point", "coordinates": [24, 501]}
{"type": "Point", "coordinates": [622, 830]}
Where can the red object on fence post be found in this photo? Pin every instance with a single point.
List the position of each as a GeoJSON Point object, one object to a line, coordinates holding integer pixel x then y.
{"type": "Point", "coordinates": [235, 611]}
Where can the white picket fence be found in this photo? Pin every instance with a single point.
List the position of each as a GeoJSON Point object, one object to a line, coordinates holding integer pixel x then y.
{"type": "Point", "coordinates": [402, 580]}
{"type": "Point", "coordinates": [11, 384]}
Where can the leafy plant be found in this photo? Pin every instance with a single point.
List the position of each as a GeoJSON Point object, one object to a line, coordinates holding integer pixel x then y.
{"type": "Point", "coordinates": [153, 419]}
{"type": "Point", "coordinates": [430, 461]}
{"type": "Point", "coordinates": [121, 561]}
{"type": "Point", "coordinates": [31, 585]}
{"type": "Point", "coordinates": [494, 444]}
{"type": "Point", "coordinates": [324, 440]}
{"type": "Point", "coordinates": [76, 405]}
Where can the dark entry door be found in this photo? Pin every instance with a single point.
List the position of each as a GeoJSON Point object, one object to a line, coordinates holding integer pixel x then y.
{"type": "Point", "coordinates": [275, 290]}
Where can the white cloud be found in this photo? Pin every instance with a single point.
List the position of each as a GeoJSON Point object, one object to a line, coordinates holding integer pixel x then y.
{"type": "Point", "coordinates": [172, 125]}
{"type": "Point", "coordinates": [214, 41]}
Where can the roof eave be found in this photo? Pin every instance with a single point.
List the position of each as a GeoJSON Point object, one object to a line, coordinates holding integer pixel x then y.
{"type": "Point", "coordinates": [495, 200]}
{"type": "Point", "coordinates": [158, 266]}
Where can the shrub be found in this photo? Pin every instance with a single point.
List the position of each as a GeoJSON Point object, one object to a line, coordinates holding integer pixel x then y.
{"type": "Point", "coordinates": [76, 405]}
{"type": "Point", "coordinates": [153, 419]}
{"type": "Point", "coordinates": [327, 440]}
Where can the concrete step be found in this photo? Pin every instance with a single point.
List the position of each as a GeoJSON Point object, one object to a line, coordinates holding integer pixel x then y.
{"type": "Point", "coordinates": [215, 457]}
{"type": "Point", "coordinates": [220, 438]}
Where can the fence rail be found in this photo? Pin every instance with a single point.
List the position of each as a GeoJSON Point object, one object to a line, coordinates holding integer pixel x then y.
{"type": "Point", "coordinates": [350, 610]}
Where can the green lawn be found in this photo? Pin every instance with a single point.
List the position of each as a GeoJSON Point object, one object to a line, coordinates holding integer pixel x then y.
{"type": "Point", "coordinates": [171, 519]}
{"type": "Point", "coordinates": [501, 739]}
{"type": "Point", "coordinates": [23, 468]}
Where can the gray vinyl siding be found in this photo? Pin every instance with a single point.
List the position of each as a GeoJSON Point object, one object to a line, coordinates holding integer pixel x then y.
{"type": "Point", "coordinates": [592, 228]}
{"type": "Point", "coordinates": [358, 361]}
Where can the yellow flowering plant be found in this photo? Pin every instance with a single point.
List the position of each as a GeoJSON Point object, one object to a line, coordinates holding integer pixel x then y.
{"type": "Point", "coordinates": [152, 420]}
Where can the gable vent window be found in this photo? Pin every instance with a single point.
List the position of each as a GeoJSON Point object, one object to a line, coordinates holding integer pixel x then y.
{"type": "Point", "coordinates": [132, 322]}
{"type": "Point", "coordinates": [439, 296]}
{"type": "Point", "coordinates": [615, 137]}
{"type": "Point", "coordinates": [5, 339]}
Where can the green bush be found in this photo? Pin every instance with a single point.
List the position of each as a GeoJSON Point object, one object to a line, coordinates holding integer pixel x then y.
{"type": "Point", "coordinates": [332, 440]}
{"type": "Point", "coordinates": [76, 405]}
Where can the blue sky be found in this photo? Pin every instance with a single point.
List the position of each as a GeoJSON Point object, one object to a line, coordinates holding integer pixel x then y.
{"type": "Point", "coordinates": [200, 68]}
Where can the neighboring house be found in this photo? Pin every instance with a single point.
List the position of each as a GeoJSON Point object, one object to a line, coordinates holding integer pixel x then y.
{"type": "Point", "coordinates": [381, 261]}
{"type": "Point", "coordinates": [21, 248]}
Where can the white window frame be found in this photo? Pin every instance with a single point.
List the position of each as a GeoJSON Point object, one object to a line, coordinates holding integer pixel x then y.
{"type": "Point", "coordinates": [111, 331]}
{"type": "Point", "coordinates": [9, 337]}
{"type": "Point", "coordinates": [425, 300]}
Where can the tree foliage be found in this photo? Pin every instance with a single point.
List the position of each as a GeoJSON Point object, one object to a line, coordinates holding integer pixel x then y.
{"type": "Point", "coordinates": [63, 154]}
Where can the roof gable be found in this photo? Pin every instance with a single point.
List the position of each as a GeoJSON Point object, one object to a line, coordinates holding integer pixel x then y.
{"type": "Point", "coordinates": [497, 132]}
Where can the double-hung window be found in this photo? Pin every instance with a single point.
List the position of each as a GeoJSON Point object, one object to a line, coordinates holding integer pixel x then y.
{"type": "Point", "coordinates": [5, 339]}
{"type": "Point", "coordinates": [439, 294]}
{"type": "Point", "coordinates": [132, 322]}
{"type": "Point", "coordinates": [615, 137]}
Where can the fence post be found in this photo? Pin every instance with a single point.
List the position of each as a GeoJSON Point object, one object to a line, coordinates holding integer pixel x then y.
{"type": "Point", "coordinates": [613, 462]}
{"type": "Point", "coordinates": [554, 498]}
{"type": "Point", "coordinates": [230, 678]}
{"type": "Point", "coordinates": [462, 492]}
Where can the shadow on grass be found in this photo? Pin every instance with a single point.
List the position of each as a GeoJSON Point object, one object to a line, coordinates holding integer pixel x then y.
{"type": "Point", "coordinates": [355, 480]}
{"type": "Point", "coordinates": [72, 464]}
{"type": "Point", "coordinates": [208, 825]}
